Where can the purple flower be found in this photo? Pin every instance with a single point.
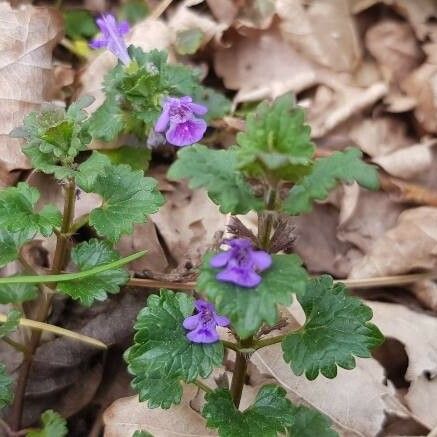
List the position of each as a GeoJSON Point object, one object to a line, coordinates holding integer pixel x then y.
{"type": "Point", "coordinates": [241, 263]}
{"type": "Point", "coordinates": [202, 326]}
{"type": "Point", "coordinates": [178, 121]}
{"type": "Point", "coordinates": [112, 37]}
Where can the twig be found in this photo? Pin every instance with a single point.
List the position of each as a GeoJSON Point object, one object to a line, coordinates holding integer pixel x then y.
{"type": "Point", "coordinates": [202, 386]}
{"type": "Point", "coordinates": [160, 9]}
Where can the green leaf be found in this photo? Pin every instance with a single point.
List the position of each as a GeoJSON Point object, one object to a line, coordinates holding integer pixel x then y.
{"type": "Point", "coordinates": [54, 137]}
{"type": "Point", "coordinates": [310, 423]}
{"type": "Point", "coordinates": [336, 330]}
{"type": "Point", "coordinates": [17, 293]}
{"type": "Point", "coordinates": [85, 256]}
{"type": "Point", "coordinates": [79, 24]}
{"type": "Point", "coordinates": [17, 211]}
{"type": "Point", "coordinates": [270, 414]}
{"type": "Point", "coordinates": [89, 170]}
{"type": "Point", "coordinates": [247, 308]}
{"type": "Point", "coordinates": [6, 393]}
{"type": "Point", "coordinates": [53, 425]}
{"type": "Point", "coordinates": [128, 198]}
{"type": "Point", "coordinates": [162, 356]}
{"type": "Point", "coordinates": [215, 170]}
{"type": "Point", "coordinates": [10, 244]}
{"type": "Point", "coordinates": [326, 174]}
{"type": "Point", "coordinates": [188, 41]}
{"type": "Point", "coordinates": [133, 11]}
{"type": "Point", "coordinates": [107, 121]}
{"type": "Point", "coordinates": [137, 158]}
{"type": "Point", "coordinates": [11, 323]}
{"type": "Point", "coordinates": [142, 434]}
{"type": "Point", "coordinates": [276, 141]}
{"type": "Point", "coordinates": [218, 105]}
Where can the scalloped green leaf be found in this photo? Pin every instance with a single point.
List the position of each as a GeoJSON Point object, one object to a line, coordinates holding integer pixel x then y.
{"type": "Point", "coordinates": [6, 393]}
{"type": "Point", "coordinates": [216, 171]}
{"type": "Point", "coordinates": [10, 244]}
{"type": "Point", "coordinates": [17, 211]}
{"type": "Point", "coordinates": [247, 308]}
{"type": "Point", "coordinates": [276, 141]}
{"type": "Point", "coordinates": [17, 293]}
{"type": "Point", "coordinates": [310, 423]}
{"type": "Point", "coordinates": [53, 425]}
{"type": "Point", "coordinates": [85, 256]}
{"type": "Point", "coordinates": [128, 198]}
{"type": "Point", "coordinates": [11, 324]}
{"type": "Point", "coordinates": [268, 416]}
{"type": "Point", "coordinates": [336, 329]}
{"type": "Point", "coordinates": [326, 174]}
{"type": "Point", "coordinates": [162, 356]}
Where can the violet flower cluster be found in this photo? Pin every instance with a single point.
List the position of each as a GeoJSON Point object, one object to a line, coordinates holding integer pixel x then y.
{"type": "Point", "coordinates": [241, 263]}
{"type": "Point", "coordinates": [179, 122]}
{"type": "Point", "coordinates": [203, 325]}
{"type": "Point", "coordinates": [112, 37]}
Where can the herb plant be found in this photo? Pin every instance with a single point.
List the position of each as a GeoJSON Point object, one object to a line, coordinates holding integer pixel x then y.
{"type": "Point", "coordinates": [272, 170]}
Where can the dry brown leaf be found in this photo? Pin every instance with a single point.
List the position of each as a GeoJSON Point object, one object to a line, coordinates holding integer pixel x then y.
{"type": "Point", "coordinates": [394, 46]}
{"type": "Point", "coordinates": [421, 84]}
{"type": "Point", "coordinates": [410, 245]}
{"type": "Point", "coordinates": [357, 401]}
{"type": "Point", "coordinates": [127, 415]}
{"type": "Point", "coordinates": [418, 333]}
{"type": "Point", "coordinates": [409, 162]}
{"type": "Point", "coordinates": [28, 35]}
{"type": "Point", "coordinates": [224, 11]}
{"type": "Point", "coordinates": [255, 14]}
{"type": "Point", "coordinates": [185, 18]}
{"type": "Point", "coordinates": [426, 293]}
{"type": "Point", "coordinates": [282, 69]}
{"type": "Point", "coordinates": [325, 31]}
{"type": "Point", "coordinates": [380, 136]}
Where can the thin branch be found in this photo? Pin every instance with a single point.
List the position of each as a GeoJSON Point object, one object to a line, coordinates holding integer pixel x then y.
{"type": "Point", "coordinates": [160, 9]}
{"type": "Point", "coordinates": [17, 346]}
{"type": "Point", "coordinates": [203, 386]}
{"type": "Point", "coordinates": [230, 345]}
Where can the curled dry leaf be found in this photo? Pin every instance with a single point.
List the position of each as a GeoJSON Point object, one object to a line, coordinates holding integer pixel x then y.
{"type": "Point", "coordinates": [410, 245]}
{"type": "Point", "coordinates": [28, 35]}
{"type": "Point", "coordinates": [127, 415]}
{"type": "Point", "coordinates": [393, 44]}
{"type": "Point", "coordinates": [417, 333]}
{"type": "Point", "coordinates": [356, 401]}
{"type": "Point", "coordinates": [325, 31]}
{"type": "Point", "coordinates": [409, 162]}
{"type": "Point", "coordinates": [224, 11]}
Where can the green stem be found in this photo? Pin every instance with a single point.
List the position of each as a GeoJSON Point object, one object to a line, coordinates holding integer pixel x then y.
{"type": "Point", "coordinates": [265, 221]}
{"type": "Point", "coordinates": [59, 261]}
{"type": "Point", "coordinates": [17, 346]}
{"type": "Point", "coordinates": [230, 345]}
{"type": "Point", "coordinates": [268, 341]}
{"type": "Point", "coordinates": [203, 386]}
{"type": "Point", "coordinates": [240, 370]}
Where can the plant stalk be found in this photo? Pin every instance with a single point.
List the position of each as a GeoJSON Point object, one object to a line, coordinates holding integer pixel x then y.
{"type": "Point", "coordinates": [240, 370]}
{"type": "Point", "coordinates": [59, 262]}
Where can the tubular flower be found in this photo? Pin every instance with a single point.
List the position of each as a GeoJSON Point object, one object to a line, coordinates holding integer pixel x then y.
{"type": "Point", "coordinates": [202, 326]}
{"type": "Point", "coordinates": [241, 263]}
{"type": "Point", "coordinates": [112, 37]}
{"type": "Point", "coordinates": [179, 122]}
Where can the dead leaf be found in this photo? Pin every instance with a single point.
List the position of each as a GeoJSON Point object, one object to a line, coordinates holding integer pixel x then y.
{"type": "Point", "coordinates": [417, 332]}
{"type": "Point", "coordinates": [357, 401]}
{"type": "Point", "coordinates": [28, 35]}
{"type": "Point", "coordinates": [323, 31]}
{"type": "Point", "coordinates": [426, 293]}
{"type": "Point", "coordinates": [394, 46]}
{"type": "Point", "coordinates": [224, 11]}
{"type": "Point", "coordinates": [410, 245]}
{"type": "Point", "coordinates": [408, 162]}
{"type": "Point", "coordinates": [127, 415]}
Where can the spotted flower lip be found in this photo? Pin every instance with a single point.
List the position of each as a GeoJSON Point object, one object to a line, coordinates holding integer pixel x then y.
{"type": "Point", "coordinates": [112, 37]}
{"type": "Point", "coordinates": [241, 264]}
{"type": "Point", "coordinates": [202, 326]}
{"type": "Point", "coordinates": [179, 121]}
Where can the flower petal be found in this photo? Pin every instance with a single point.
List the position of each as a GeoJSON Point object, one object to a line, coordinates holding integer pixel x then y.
{"type": "Point", "coordinates": [163, 120]}
{"type": "Point", "coordinates": [205, 334]}
{"type": "Point", "coordinates": [198, 109]}
{"type": "Point", "coordinates": [241, 277]}
{"type": "Point", "coordinates": [203, 305]}
{"type": "Point", "coordinates": [220, 260]}
{"type": "Point", "coordinates": [123, 27]}
{"type": "Point", "coordinates": [186, 133]}
{"type": "Point", "coordinates": [98, 43]}
{"type": "Point", "coordinates": [192, 322]}
{"type": "Point", "coordinates": [261, 259]}
{"type": "Point", "coordinates": [221, 320]}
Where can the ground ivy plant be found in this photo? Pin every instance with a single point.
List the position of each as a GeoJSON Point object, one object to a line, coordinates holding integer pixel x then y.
{"type": "Point", "coordinates": [179, 339]}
